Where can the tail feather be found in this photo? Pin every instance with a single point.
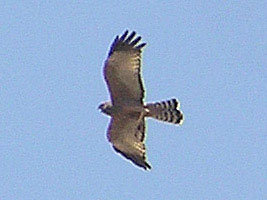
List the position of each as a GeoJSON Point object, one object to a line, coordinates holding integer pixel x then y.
{"type": "Point", "coordinates": [167, 111]}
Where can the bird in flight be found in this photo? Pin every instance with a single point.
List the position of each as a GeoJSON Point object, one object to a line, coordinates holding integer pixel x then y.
{"type": "Point", "coordinates": [127, 109]}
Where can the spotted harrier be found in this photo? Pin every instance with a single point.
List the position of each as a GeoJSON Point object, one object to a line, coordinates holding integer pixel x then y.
{"type": "Point", "coordinates": [127, 128]}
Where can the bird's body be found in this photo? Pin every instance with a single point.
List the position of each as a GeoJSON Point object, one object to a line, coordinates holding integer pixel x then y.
{"type": "Point", "coordinates": [122, 72]}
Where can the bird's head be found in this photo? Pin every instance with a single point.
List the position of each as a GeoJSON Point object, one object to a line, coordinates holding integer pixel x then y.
{"type": "Point", "coordinates": [105, 107]}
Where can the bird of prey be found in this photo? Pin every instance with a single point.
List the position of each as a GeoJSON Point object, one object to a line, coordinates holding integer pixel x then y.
{"type": "Point", "coordinates": [127, 128]}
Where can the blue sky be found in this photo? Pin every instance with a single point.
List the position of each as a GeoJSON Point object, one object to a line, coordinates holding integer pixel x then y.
{"type": "Point", "coordinates": [211, 55]}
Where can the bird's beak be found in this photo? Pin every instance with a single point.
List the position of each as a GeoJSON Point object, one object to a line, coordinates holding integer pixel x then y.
{"type": "Point", "coordinates": [100, 107]}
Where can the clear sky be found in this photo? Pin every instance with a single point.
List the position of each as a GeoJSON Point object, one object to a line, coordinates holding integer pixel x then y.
{"type": "Point", "coordinates": [211, 55]}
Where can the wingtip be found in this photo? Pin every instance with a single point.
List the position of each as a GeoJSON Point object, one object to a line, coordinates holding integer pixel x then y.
{"type": "Point", "coordinates": [124, 35]}
{"type": "Point", "coordinates": [147, 166]}
{"type": "Point", "coordinates": [141, 46]}
{"type": "Point", "coordinates": [130, 37]}
{"type": "Point", "coordinates": [126, 42]}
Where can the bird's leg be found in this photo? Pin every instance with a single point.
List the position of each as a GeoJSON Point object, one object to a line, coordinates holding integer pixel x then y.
{"type": "Point", "coordinates": [134, 109]}
{"type": "Point", "coordinates": [137, 109]}
{"type": "Point", "coordinates": [142, 115]}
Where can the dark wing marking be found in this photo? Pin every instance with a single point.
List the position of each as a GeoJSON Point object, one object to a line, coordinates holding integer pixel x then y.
{"type": "Point", "coordinates": [127, 136]}
{"type": "Point", "coordinates": [122, 70]}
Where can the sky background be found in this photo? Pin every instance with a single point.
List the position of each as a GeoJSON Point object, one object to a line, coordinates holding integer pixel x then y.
{"type": "Point", "coordinates": [211, 55]}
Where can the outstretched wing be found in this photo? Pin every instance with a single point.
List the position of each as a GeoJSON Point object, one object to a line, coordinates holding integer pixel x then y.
{"type": "Point", "coordinates": [127, 134]}
{"type": "Point", "coordinates": [122, 70]}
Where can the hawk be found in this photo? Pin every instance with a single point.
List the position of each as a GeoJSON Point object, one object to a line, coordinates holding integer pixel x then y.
{"type": "Point", "coordinates": [122, 72]}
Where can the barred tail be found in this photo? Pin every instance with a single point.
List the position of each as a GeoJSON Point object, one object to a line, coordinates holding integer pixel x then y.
{"type": "Point", "coordinates": [167, 111]}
